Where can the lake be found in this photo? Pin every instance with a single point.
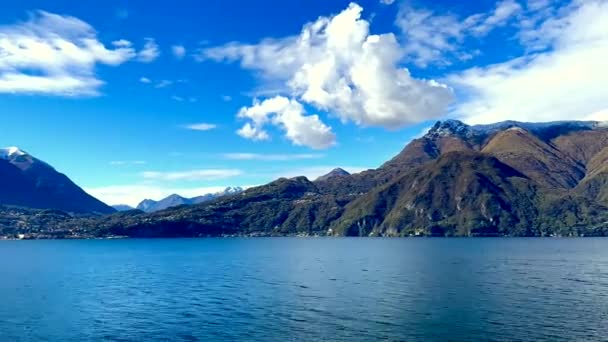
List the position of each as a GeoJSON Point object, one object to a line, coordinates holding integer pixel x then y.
{"type": "Point", "coordinates": [292, 289]}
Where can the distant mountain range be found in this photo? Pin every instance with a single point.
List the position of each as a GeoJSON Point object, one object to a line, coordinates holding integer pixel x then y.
{"type": "Point", "coordinates": [504, 179]}
{"type": "Point", "coordinates": [150, 206]}
{"type": "Point", "coordinates": [122, 207]}
{"type": "Point", "coordinates": [29, 182]}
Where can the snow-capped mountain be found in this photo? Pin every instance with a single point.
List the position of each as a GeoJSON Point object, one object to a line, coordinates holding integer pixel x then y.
{"type": "Point", "coordinates": [175, 200]}
{"type": "Point", "coordinates": [10, 152]}
{"type": "Point", "coordinates": [476, 134]}
{"type": "Point", "coordinates": [29, 182]}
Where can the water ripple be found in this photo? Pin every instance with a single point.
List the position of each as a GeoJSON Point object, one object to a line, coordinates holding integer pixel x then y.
{"type": "Point", "coordinates": [305, 289]}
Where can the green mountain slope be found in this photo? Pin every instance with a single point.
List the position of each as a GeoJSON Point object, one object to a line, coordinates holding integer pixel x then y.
{"type": "Point", "coordinates": [504, 179]}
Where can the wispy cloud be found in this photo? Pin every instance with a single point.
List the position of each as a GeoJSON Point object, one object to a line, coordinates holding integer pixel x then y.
{"type": "Point", "coordinates": [227, 98]}
{"type": "Point", "coordinates": [192, 175]}
{"type": "Point", "coordinates": [163, 84]}
{"type": "Point", "coordinates": [271, 157]}
{"type": "Point", "coordinates": [203, 126]}
{"type": "Point", "coordinates": [431, 38]}
{"type": "Point", "coordinates": [566, 81]}
{"type": "Point", "coordinates": [179, 51]}
{"type": "Point", "coordinates": [160, 84]}
{"type": "Point", "coordinates": [150, 52]}
{"type": "Point", "coordinates": [127, 162]}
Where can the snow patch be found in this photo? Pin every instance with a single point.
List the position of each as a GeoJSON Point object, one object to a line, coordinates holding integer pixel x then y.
{"type": "Point", "coordinates": [9, 152]}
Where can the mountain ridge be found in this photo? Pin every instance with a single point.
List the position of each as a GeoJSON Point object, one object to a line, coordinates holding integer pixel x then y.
{"type": "Point", "coordinates": [174, 200]}
{"type": "Point", "coordinates": [504, 179]}
{"type": "Point", "coordinates": [31, 182]}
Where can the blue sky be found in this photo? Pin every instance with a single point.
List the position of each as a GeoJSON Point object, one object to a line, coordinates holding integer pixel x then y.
{"type": "Point", "coordinates": [135, 99]}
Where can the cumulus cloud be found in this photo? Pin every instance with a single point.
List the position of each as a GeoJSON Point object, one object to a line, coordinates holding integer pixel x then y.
{"type": "Point", "coordinates": [288, 115]}
{"type": "Point", "coordinates": [566, 81]}
{"type": "Point", "coordinates": [55, 55]}
{"type": "Point", "coordinates": [201, 126]}
{"type": "Point", "coordinates": [192, 175]}
{"type": "Point", "coordinates": [431, 38]}
{"type": "Point", "coordinates": [150, 52]}
{"type": "Point", "coordinates": [337, 66]}
{"type": "Point", "coordinates": [179, 51]}
{"type": "Point", "coordinates": [248, 131]}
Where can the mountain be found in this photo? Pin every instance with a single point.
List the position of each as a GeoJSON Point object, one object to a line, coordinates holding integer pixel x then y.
{"type": "Point", "coordinates": [337, 172]}
{"type": "Point", "coordinates": [29, 182]}
{"type": "Point", "coordinates": [231, 190]}
{"type": "Point", "coordinates": [122, 207]}
{"type": "Point", "coordinates": [145, 205]}
{"type": "Point", "coordinates": [509, 178]}
{"type": "Point", "coordinates": [150, 206]}
{"type": "Point", "coordinates": [504, 179]}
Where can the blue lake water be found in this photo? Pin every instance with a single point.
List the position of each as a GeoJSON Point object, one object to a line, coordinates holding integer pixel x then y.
{"type": "Point", "coordinates": [290, 289]}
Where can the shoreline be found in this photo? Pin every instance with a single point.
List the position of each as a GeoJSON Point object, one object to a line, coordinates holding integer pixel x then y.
{"type": "Point", "coordinates": [294, 236]}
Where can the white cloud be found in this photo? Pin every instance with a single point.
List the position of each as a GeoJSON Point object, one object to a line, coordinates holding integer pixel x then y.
{"type": "Point", "coordinates": [387, 2]}
{"type": "Point", "coordinates": [250, 132]}
{"type": "Point", "coordinates": [289, 115]}
{"type": "Point", "coordinates": [150, 52]}
{"type": "Point", "coordinates": [133, 194]}
{"type": "Point", "coordinates": [122, 43]}
{"type": "Point", "coordinates": [179, 51]}
{"type": "Point", "coordinates": [504, 11]}
{"type": "Point", "coordinates": [55, 55]}
{"type": "Point", "coordinates": [271, 157]}
{"type": "Point", "coordinates": [226, 98]}
{"type": "Point", "coordinates": [201, 127]}
{"type": "Point", "coordinates": [436, 39]}
{"type": "Point", "coordinates": [336, 65]}
{"type": "Point", "coordinates": [192, 175]}
{"type": "Point", "coordinates": [145, 80]}
{"type": "Point", "coordinates": [566, 82]}
{"type": "Point", "coordinates": [163, 84]}
{"type": "Point", "coordinates": [536, 5]}
{"type": "Point", "coordinates": [177, 98]}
